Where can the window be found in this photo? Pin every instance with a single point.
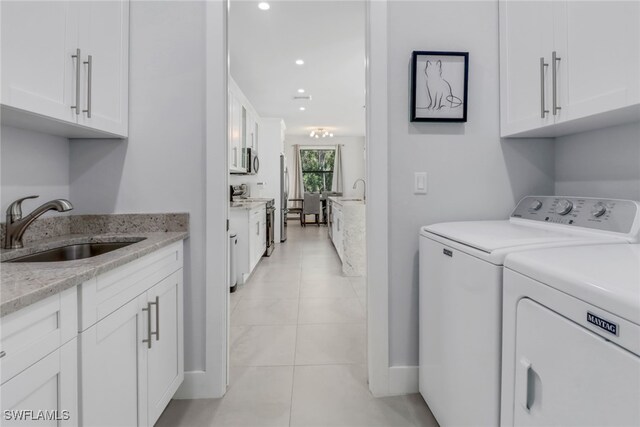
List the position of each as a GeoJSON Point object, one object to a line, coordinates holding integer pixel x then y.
{"type": "Point", "coordinates": [317, 168]}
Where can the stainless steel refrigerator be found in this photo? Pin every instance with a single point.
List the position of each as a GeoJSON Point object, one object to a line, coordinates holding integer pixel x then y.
{"type": "Point", "coordinates": [284, 197]}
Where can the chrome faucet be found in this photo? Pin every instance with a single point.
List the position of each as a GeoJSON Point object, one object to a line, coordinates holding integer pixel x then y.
{"type": "Point", "coordinates": [16, 225]}
{"type": "Point", "coordinates": [364, 188]}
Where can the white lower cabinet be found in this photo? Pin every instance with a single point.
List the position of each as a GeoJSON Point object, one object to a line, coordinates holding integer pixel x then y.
{"type": "Point", "coordinates": [120, 369]}
{"type": "Point", "coordinates": [251, 228]}
{"type": "Point", "coordinates": [112, 364]}
{"type": "Point", "coordinates": [44, 394]}
{"type": "Point", "coordinates": [131, 360]}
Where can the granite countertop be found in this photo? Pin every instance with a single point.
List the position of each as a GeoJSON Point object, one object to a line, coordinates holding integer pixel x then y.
{"type": "Point", "coordinates": [347, 201]}
{"type": "Point", "coordinates": [25, 283]}
{"type": "Point", "coordinates": [247, 205]}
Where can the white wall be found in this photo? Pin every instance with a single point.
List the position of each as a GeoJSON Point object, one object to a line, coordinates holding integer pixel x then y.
{"type": "Point", "coordinates": [161, 168]}
{"type": "Point", "coordinates": [353, 159]}
{"type": "Point", "coordinates": [472, 173]}
{"type": "Point", "coordinates": [600, 163]}
{"type": "Point", "coordinates": [33, 164]}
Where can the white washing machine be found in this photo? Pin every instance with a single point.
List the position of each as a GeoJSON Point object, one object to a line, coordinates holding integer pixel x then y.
{"type": "Point", "coordinates": [460, 300]}
{"type": "Point", "coordinates": [571, 337]}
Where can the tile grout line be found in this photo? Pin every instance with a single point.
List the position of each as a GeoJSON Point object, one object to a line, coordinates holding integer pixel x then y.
{"type": "Point", "coordinates": [295, 345]}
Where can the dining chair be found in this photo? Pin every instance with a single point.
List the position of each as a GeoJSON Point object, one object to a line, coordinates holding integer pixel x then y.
{"type": "Point", "coordinates": [311, 206]}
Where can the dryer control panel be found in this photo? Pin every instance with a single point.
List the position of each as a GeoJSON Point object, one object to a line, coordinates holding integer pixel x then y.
{"type": "Point", "coordinates": [617, 216]}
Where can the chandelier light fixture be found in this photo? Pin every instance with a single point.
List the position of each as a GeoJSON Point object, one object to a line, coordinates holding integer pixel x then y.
{"type": "Point", "coordinates": [320, 133]}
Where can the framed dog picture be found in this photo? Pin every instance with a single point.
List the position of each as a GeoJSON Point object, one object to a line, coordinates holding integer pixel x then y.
{"type": "Point", "coordinates": [439, 86]}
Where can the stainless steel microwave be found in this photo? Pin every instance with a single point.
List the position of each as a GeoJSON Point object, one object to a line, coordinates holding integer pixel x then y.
{"type": "Point", "coordinates": [252, 162]}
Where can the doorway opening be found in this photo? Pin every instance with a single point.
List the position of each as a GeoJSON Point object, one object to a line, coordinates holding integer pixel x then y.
{"type": "Point", "coordinates": [297, 316]}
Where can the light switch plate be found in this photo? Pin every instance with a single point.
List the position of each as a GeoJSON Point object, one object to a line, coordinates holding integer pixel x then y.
{"type": "Point", "coordinates": [420, 184]}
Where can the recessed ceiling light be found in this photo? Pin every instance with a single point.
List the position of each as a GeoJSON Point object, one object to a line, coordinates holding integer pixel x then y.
{"type": "Point", "coordinates": [264, 5]}
{"type": "Point", "coordinates": [302, 108]}
{"type": "Point", "coordinates": [299, 62]}
{"type": "Point", "coordinates": [300, 90]}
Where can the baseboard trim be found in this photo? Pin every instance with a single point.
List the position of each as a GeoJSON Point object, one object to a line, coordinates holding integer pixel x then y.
{"type": "Point", "coordinates": [403, 380]}
{"type": "Point", "coordinates": [196, 385]}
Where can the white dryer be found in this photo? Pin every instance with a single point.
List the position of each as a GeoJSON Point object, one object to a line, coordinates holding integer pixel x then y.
{"type": "Point", "coordinates": [460, 296]}
{"type": "Point", "coordinates": [571, 337]}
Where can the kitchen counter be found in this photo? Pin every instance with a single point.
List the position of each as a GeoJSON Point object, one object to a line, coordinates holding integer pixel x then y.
{"type": "Point", "coordinates": [246, 205]}
{"type": "Point", "coordinates": [25, 283]}
{"type": "Point", "coordinates": [346, 201]}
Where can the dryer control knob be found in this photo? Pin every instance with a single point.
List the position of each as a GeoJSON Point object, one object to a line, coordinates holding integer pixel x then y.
{"type": "Point", "coordinates": [535, 205]}
{"type": "Point", "coordinates": [599, 209]}
{"type": "Point", "coordinates": [564, 206]}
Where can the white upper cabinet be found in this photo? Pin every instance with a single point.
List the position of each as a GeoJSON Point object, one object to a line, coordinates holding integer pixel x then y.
{"type": "Point", "coordinates": [38, 71]}
{"type": "Point", "coordinates": [526, 30]}
{"type": "Point", "coordinates": [588, 75]}
{"type": "Point", "coordinates": [47, 86]}
{"type": "Point", "coordinates": [104, 36]}
{"type": "Point", "coordinates": [599, 46]}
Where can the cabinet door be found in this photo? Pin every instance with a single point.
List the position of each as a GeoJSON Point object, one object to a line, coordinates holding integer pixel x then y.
{"type": "Point", "coordinates": [526, 35]}
{"type": "Point", "coordinates": [104, 35]}
{"type": "Point", "coordinates": [165, 357]}
{"type": "Point", "coordinates": [113, 369]}
{"type": "Point", "coordinates": [38, 71]}
{"type": "Point", "coordinates": [599, 47]}
{"type": "Point", "coordinates": [50, 384]}
{"type": "Point", "coordinates": [236, 134]}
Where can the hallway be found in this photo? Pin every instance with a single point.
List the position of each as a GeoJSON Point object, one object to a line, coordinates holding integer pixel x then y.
{"type": "Point", "coordinates": [298, 349]}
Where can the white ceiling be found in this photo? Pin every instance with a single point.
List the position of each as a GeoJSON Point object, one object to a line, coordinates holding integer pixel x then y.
{"type": "Point", "coordinates": [328, 36]}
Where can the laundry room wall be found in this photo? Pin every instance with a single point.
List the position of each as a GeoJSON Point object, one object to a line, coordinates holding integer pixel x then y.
{"type": "Point", "coordinates": [33, 163]}
{"type": "Point", "coordinates": [600, 163]}
{"type": "Point", "coordinates": [473, 174]}
{"type": "Point", "coordinates": [161, 166]}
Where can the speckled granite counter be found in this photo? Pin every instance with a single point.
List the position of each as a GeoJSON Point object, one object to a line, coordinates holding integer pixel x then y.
{"type": "Point", "coordinates": [246, 205]}
{"type": "Point", "coordinates": [22, 284]}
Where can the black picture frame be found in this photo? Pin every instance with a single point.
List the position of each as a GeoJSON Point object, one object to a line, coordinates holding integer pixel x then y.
{"type": "Point", "coordinates": [426, 107]}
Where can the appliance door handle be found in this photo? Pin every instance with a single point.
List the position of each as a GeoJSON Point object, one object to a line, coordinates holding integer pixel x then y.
{"type": "Point", "coordinates": [78, 60]}
{"type": "Point", "coordinates": [89, 63]}
{"type": "Point", "coordinates": [258, 228]}
{"type": "Point", "coordinates": [543, 110]}
{"type": "Point", "coordinates": [525, 377]}
{"type": "Point", "coordinates": [555, 59]}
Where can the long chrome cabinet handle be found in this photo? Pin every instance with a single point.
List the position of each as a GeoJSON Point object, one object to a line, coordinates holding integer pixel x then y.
{"type": "Point", "coordinates": [157, 304]}
{"type": "Point", "coordinates": [554, 72]}
{"type": "Point", "coordinates": [543, 110]}
{"type": "Point", "coordinates": [148, 310]}
{"type": "Point", "coordinates": [89, 63]}
{"type": "Point", "coordinates": [78, 60]}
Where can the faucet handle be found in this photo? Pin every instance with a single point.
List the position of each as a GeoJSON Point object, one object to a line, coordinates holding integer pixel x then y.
{"type": "Point", "coordinates": [14, 211]}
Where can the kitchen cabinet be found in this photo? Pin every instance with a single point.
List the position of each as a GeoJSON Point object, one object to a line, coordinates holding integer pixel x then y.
{"type": "Point", "coordinates": [251, 228]}
{"type": "Point", "coordinates": [337, 229]}
{"type": "Point", "coordinates": [104, 36]}
{"type": "Point", "coordinates": [567, 67]}
{"type": "Point", "coordinates": [39, 360]}
{"type": "Point", "coordinates": [46, 86]}
{"type": "Point", "coordinates": [49, 385]}
{"type": "Point", "coordinates": [236, 133]}
{"type": "Point", "coordinates": [131, 358]}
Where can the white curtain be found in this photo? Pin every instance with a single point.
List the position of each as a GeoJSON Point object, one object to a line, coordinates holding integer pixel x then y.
{"type": "Point", "coordinates": [298, 182]}
{"type": "Point", "coordinates": [337, 184]}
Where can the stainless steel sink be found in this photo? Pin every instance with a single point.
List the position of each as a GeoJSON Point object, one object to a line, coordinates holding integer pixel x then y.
{"type": "Point", "coordinates": [74, 252]}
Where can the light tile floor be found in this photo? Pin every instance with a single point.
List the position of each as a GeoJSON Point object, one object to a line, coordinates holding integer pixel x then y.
{"type": "Point", "coordinates": [298, 349]}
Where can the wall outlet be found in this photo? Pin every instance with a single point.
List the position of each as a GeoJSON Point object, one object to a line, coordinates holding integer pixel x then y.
{"type": "Point", "coordinates": [420, 184]}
